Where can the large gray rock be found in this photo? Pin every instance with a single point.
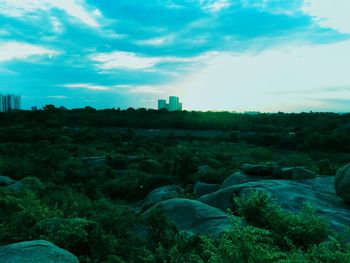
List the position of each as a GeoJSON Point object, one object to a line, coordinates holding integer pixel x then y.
{"type": "Point", "coordinates": [291, 195]}
{"type": "Point", "coordinates": [296, 173]}
{"type": "Point", "coordinates": [201, 188]}
{"type": "Point", "coordinates": [37, 251]}
{"type": "Point", "coordinates": [237, 178]}
{"type": "Point", "coordinates": [342, 183]}
{"type": "Point", "coordinates": [161, 194]}
{"type": "Point", "coordinates": [194, 216]}
{"type": "Point", "coordinates": [5, 180]}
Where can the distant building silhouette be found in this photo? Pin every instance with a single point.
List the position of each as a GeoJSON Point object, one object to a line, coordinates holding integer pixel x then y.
{"type": "Point", "coordinates": [162, 104]}
{"type": "Point", "coordinates": [10, 103]}
{"type": "Point", "coordinates": [173, 105]}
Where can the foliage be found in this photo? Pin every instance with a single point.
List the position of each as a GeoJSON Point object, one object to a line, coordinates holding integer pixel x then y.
{"type": "Point", "coordinates": [90, 209]}
{"type": "Point", "coordinates": [301, 230]}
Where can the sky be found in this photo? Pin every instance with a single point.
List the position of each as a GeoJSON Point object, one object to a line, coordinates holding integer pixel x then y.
{"type": "Point", "coordinates": [233, 55]}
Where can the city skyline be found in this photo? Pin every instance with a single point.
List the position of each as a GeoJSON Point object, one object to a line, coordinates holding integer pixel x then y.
{"type": "Point", "coordinates": [173, 105]}
{"type": "Point", "coordinates": [245, 55]}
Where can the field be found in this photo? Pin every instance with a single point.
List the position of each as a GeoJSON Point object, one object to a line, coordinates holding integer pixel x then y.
{"type": "Point", "coordinates": [81, 179]}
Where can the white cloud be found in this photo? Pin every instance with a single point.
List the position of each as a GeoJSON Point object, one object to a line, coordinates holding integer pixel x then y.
{"type": "Point", "coordinates": [56, 25]}
{"type": "Point", "coordinates": [19, 50]}
{"type": "Point", "coordinates": [87, 86]}
{"type": "Point", "coordinates": [147, 89]}
{"type": "Point", "coordinates": [158, 41]}
{"type": "Point", "coordinates": [126, 60]}
{"type": "Point", "coordinates": [215, 5]}
{"type": "Point", "coordinates": [123, 88]}
{"type": "Point", "coordinates": [74, 8]}
{"type": "Point", "coordinates": [132, 61]}
{"type": "Point", "coordinates": [330, 13]}
{"type": "Point", "coordinates": [288, 79]}
{"type": "Point", "coordinates": [61, 97]}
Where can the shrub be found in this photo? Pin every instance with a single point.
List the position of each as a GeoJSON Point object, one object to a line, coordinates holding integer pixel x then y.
{"type": "Point", "coordinates": [302, 229]}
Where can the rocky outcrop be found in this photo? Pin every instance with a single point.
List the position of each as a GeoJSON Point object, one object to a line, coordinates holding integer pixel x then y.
{"type": "Point", "coordinates": [291, 195]}
{"type": "Point", "coordinates": [194, 216]}
{"type": "Point", "coordinates": [201, 188]}
{"type": "Point", "coordinates": [161, 194]}
{"type": "Point", "coordinates": [342, 183]}
{"type": "Point", "coordinates": [37, 251]}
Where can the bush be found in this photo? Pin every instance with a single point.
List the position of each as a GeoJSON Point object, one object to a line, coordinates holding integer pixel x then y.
{"type": "Point", "coordinates": [302, 230]}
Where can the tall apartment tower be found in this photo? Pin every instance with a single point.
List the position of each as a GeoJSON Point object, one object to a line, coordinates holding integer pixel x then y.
{"type": "Point", "coordinates": [174, 103]}
{"type": "Point", "coordinates": [10, 102]}
{"type": "Point", "coordinates": [162, 104]}
{"type": "Point", "coordinates": [17, 105]}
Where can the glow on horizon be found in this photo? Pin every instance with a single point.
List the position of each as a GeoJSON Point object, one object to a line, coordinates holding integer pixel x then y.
{"type": "Point", "coordinates": [295, 78]}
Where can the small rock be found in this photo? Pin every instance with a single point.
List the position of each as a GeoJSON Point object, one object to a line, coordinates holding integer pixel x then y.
{"type": "Point", "coordinates": [95, 161]}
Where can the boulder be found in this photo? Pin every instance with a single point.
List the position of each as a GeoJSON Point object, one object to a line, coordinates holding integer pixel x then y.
{"type": "Point", "coordinates": [222, 199]}
{"type": "Point", "coordinates": [296, 173]}
{"type": "Point", "coordinates": [201, 188]}
{"type": "Point", "coordinates": [5, 180]}
{"type": "Point", "coordinates": [194, 217]}
{"type": "Point", "coordinates": [161, 194]}
{"type": "Point", "coordinates": [36, 251]}
{"type": "Point", "coordinates": [291, 195]}
{"type": "Point", "coordinates": [237, 178]}
{"type": "Point", "coordinates": [342, 183]}
{"type": "Point", "coordinates": [258, 169]}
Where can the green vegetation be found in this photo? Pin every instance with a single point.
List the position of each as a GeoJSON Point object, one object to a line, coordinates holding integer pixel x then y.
{"type": "Point", "coordinates": [88, 205]}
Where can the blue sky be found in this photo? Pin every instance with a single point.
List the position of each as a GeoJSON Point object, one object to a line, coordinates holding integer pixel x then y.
{"type": "Point", "coordinates": [242, 55]}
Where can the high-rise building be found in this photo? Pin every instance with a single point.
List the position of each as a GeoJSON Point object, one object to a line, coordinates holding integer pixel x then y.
{"type": "Point", "coordinates": [173, 105]}
{"type": "Point", "coordinates": [162, 104]}
{"type": "Point", "coordinates": [10, 102]}
{"type": "Point", "coordinates": [17, 105]}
